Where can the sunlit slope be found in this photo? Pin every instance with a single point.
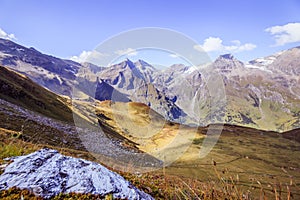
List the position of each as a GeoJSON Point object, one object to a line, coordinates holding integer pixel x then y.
{"type": "Point", "coordinates": [153, 134]}
{"type": "Point", "coordinates": [257, 158]}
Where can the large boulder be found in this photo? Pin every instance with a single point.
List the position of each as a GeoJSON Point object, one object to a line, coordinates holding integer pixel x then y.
{"type": "Point", "coordinates": [48, 173]}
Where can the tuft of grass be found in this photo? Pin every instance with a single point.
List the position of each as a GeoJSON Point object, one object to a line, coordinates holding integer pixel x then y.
{"type": "Point", "coordinates": [15, 193]}
{"type": "Point", "coordinates": [11, 144]}
{"type": "Point", "coordinates": [198, 141]}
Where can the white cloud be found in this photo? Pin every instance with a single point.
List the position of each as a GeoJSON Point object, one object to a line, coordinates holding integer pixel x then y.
{"type": "Point", "coordinates": [216, 44]}
{"type": "Point", "coordinates": [5, 35]}
{"type": "Point", "coordinates": [211, 44]}
{"type": "Point", "coordinates": [174, 55]}
{"type": "Point", "coordinates": [129, 52]}
{"type": "Point", "coordinates": [288, 33]}
{"type": "Point", "coordinates": [88, 56]}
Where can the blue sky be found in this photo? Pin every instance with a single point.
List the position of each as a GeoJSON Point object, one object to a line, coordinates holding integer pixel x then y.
{"type": "Point", "coordinates": [67, 28]}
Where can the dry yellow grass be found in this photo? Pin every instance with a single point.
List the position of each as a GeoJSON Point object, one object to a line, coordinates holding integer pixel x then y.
{"type": "Point", "coordinates": [155, 136]}
{"type": "Point", "coordinates": [249, 163]}
{"type": "Point", "coordinates": [218, 181]}
{"type": "Point", "coordinates": [256, 157]}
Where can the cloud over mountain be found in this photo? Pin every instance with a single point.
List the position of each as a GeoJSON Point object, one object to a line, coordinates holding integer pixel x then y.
{"type": "Point", "coordinates": [5, 35]}
{"type": "Point", "coordinates": [88, 56]}
{"type": "Point", "coordinates": [288, 33]}
{"type": "Point", "coordinates": [129, 52]}
{"type": "Point", "coordinates": [216, 44]}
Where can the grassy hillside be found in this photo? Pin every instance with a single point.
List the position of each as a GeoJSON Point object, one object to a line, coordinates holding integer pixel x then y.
{"type": "Point", "coordinates": [259, 163]}
{"type": "Point", "coordinates": [161, 184]}
{"type": "Point", "coordinates": [260, 102]}
{"type": "Point", "coordinates": [48, 118]}
{"type": "Point", "coordinates": [245, 163]}
{"type": "Point", "coordinates": [20, 90]}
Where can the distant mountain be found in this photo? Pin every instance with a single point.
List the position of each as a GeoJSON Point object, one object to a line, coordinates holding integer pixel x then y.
{"type": "Point", "coordinates": [159, 102]}
{"type": "Point", "coordinates": [13, 54]}
{"type": "Point", "coordinates": [135, 80]}
{"type": "Point", "coordinates": [64, 77]}
{"type": "Point", "coordinates": [125, 76]}
{"type": "Point", "coordinates": [263, 93]}
{"type": "Point", "coordinates": [171, 75]}
{"type": "Point", "coordinates": [58, 75]}
{"type": "Point", "coordinates": [286, 62]}
{"type": "Point", "coordinates": [147, 70]}
{"type": "Point", "coordinates": [227, 63]}
{"type": "Point", "coordinates": [91, 67]}
{"type": "Point", "coordinates": [50, 72]}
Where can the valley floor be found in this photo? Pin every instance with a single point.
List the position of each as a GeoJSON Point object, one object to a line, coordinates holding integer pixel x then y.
{"type": "Point", "coordinates": [244, 164]}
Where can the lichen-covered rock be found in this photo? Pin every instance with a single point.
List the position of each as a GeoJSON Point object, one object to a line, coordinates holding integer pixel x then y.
{"type": "Point", "coordinates": [48, 173]}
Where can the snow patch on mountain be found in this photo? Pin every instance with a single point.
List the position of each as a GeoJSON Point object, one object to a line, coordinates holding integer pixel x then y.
{"type": "Point", "coordinates": [250, 66]}
{"type": "Point", "coordinates": [265, 61]}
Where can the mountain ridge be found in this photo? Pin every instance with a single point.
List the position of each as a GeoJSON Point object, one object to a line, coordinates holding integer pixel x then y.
{"type": "Point", "coordinates": [257, 91]}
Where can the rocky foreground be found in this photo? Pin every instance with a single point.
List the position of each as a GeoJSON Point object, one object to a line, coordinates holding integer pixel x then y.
{"type": "Point", "coordinates": [47, 173]}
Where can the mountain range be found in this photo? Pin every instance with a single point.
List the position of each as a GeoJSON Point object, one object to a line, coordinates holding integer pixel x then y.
{"type": "Point", "coordinates": [131, 117]}
{"type": "Point", "coordinates": [263, 93]}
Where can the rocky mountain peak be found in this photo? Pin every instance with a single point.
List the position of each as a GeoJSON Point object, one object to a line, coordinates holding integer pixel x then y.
{"type": "Point", "coordinates": [178, 67]}
{"type": "Point", "coordinates": [227, 62]}
{"type": "Point", "coordinates": [92, 67]}
{"type": "Point", "coordinates": [142, 63]}
{"type": "Point", "coordinates": [227, 56]}
{"type": "Point", "coordinates": [128, 63]}
{"type": "Point", "coordinates": [287, 62]}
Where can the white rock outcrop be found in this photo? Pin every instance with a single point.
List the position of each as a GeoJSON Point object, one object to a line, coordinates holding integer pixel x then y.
{"type": "Point", "coordinates": [47, 173]}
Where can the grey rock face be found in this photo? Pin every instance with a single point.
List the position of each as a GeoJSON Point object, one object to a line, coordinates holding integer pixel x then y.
{"type": "Point", "coordinates": [136, 81]}
{"type": "Point", "coordinates": [48, 173]}
{"type": "Point", "coordinates": [105, 91]}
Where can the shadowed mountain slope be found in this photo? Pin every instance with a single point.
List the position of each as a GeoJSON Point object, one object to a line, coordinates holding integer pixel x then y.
{"type": "Point", "coordinates": [20, 90]}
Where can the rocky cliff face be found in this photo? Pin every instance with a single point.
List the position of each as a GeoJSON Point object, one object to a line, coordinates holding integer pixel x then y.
{"type": "Point", "coordinates": [47, 173]}
{"type": "Point", "coordinates": [159, 102]}
{"type": "Point", "coordinates": [104, 91]}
